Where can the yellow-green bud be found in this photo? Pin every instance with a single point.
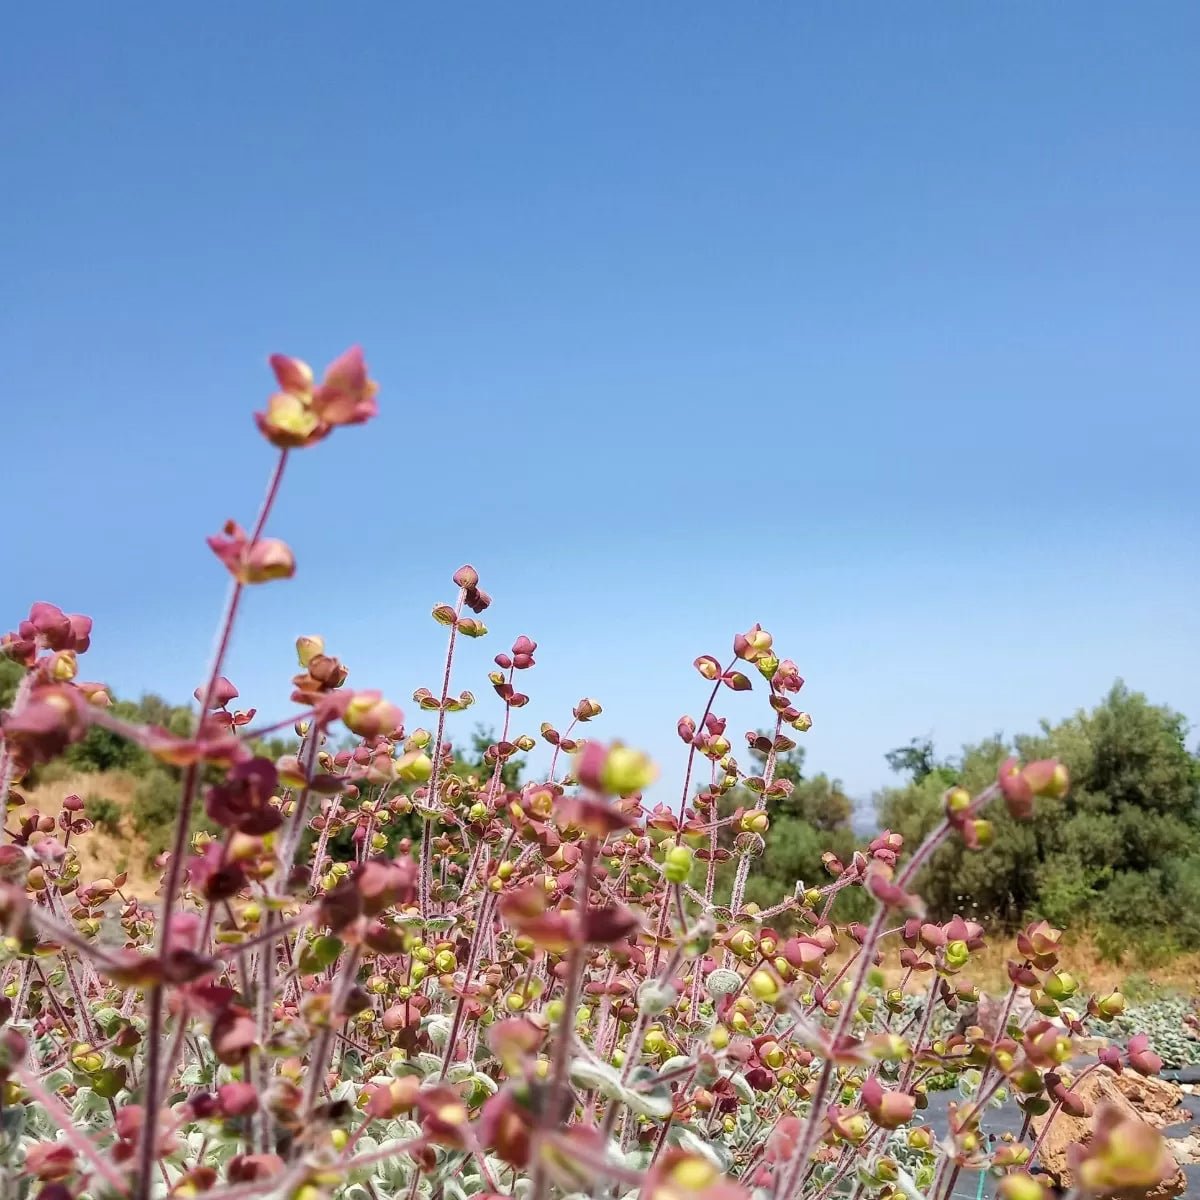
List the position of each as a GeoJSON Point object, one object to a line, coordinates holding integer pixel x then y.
{"type": "Point", "coordinates": [414, 767]}
{"type": "Point", "coordinates": [958, 800]}
{"type": "Point", "coordinates": [957, 954]}
{"type": "Point", "coordinates": [1020, 1186]}
{"type": "Point", "coordinates": [1061, 985]}
{"type": "Point", "coordinates": [677, 864]}
{"type": "Point", "coordinates": [626, 771]}
{"type": "Point", "coordinates": [764, 986]}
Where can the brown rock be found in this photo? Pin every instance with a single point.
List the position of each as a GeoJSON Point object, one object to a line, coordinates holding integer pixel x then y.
{"type": "Point", "coordinates": [1121, 1090]}
{"type": "Point", "coordinates": [1158, 1102]}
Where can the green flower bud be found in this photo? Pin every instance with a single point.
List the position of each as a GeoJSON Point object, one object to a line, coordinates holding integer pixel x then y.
{"type": "Point", "coordinates": [957, 955]}
{"type": "Point", "coordinates": [677, 864]}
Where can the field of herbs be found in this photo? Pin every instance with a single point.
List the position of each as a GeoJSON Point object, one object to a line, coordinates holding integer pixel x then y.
{"type": "Point", "coordinates": [378, 981]}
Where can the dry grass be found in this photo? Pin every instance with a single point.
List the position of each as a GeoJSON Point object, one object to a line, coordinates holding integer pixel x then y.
{"type": "Point", "coordinates": [1095, 974]}
{"type": "Point", "coordinates": [1080, 957]}
{"type": "Point", "coordinates": [101, 854]}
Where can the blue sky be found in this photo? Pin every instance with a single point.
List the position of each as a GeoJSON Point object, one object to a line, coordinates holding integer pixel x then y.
{"type": "Point", "coordinates": [877, 325]}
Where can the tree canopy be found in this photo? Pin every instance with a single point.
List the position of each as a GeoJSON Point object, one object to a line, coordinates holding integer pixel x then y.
{"type": "Point", "coordinates": [1120, 852]}
{"type": "Point", "coordinates": [816, 818]}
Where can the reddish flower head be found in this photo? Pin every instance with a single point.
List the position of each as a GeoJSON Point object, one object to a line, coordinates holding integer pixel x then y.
{"type": "Point", "coordinates": [506, 1127]}
{"type": "Point", "coordinates": [887, 1108]}
{"type": "Point", "coordinates": [252, 562]}
{"type": "Point", "coordinates": [753, 644]}
{"type": "Point", "coordinates": [50, 1161]}
{"type": "Point", "coordinates": [346, 395]}
{"type": "Point", "coordinates": [243, 801]}
{"type": "Point", "coordinates": [53, 718]}
{"type": "Point", "coordinates": [301, 415]}
{"type": "Point", "coordinates": [1141, 1058]}
{"type": "Point", "coordinates": [1124, 1157]}
{"type": "Point", "coordinates": [222, 692]}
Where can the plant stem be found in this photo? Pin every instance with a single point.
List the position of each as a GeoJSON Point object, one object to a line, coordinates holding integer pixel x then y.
{"type": "Point", "coordinates": [435, 778]}
{"type": "Point", "coordinates": [154, 999]}
{"type": "Point", "coordinates": [558, 1108]}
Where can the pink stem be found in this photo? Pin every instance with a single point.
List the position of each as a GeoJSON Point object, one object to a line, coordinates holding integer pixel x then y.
{"type": "Point", "coordinates": [435, 778]}
{"type": "Point", "coordinates": [154, 1031]}
{"type": "Point", "coordinates": [63, 1119]}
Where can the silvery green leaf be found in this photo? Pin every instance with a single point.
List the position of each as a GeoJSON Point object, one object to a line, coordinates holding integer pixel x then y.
{"type": "Point", "coordinates": [654, 996]}
{"type": "Point", "coordinates": [56, 1080]}
{"type": "Point", "coordinates": [597, 1075]}
{"type": "Point", "coordinates": [87, 1105]}
{"type": "Point", "coordinates": [688, 1139]}
{"type": "Point", "coordinates": [194, 1076]}
{"type": "Point", "coordinates": [968, 1083]}
{"type": "Point", "coordinates": [639, 1159]}
{"type": "Point", "coordinates": [397, 1147]}
{"type": "Point", "coordinates": [429, 924]}
{"type": "Point", "coordinates": [427, 1064]}
{"type": "Point", "coordinates": [744, 1090]}
{"type": "Point", "coordinates": [646, 1096]}
{"type": "Point", "coordinates": [438, 1029]}
{"type": "Point", "coordinates": [458, 1072]}
{"type": "Point", "coordinates": [647, 1104]}
{"type": "Point", "coordinates": [721, 982]}
{"type": "Point", "coordinates": [643, 1076]}
{"type": "Point", "coordinates": [675, 1064]}
{"type": "Point", "coordinates": [474, 1184]}
{"type": "Point", "coordinates": [104, 1017]}
{"type": "Point", "coordinates": [908, 1185]}
{"type": "Point", "coordinates": [392, 1173]}
{"type": "Point", "coordinates": [486, 1082]}
{"type": "Point", "coordinates": [13, 1118]}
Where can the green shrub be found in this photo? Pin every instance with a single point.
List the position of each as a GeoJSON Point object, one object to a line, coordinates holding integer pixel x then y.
{"type": "Point", "coordinates": [1120, 853]}
{"type": "Point", "coordinates": [51, 772]}
{"type": "Point", "coordinates": [1139, 987]}
{"type": "Point", "coordinates": [104, 813]}
{"type": "Point", "coordinates": [155, 808]}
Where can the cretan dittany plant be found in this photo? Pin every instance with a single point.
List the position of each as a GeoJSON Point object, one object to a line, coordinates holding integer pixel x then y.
{"type": "Point", "coordinates": [369, 975]}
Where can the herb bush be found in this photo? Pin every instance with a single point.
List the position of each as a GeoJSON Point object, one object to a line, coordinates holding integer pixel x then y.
{"type": "Point", "coordinates": [366, 977]}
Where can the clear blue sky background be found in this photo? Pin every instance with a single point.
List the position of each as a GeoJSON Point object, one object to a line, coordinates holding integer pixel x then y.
{"type": "Point", "coordinates": [876, 324]}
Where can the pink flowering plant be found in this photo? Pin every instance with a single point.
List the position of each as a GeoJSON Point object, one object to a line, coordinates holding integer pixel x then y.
{"type": "Point", "coordinates": [365, 976]}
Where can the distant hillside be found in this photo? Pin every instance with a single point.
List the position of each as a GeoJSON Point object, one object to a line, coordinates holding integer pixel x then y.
{"type": "Point", "coordinates": [113, 845]}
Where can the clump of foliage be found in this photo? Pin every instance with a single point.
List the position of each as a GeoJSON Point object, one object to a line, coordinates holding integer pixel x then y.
{"type": "Point", "coordinates": [1120, 853]}
{"type": "Point", "coordinates": [808, 833]}
{"type": "Point", "coordinates": [538, 991]}
{"type": "Point", "coordinates": [104, 813]}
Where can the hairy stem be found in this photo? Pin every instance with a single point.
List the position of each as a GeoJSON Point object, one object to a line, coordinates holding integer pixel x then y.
{"type": "Point", "coordinates": [152, 1100]}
